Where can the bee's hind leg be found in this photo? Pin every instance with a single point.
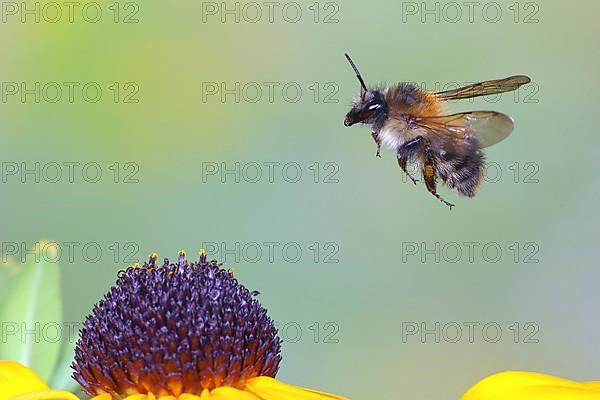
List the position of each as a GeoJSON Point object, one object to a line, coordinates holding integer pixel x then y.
{"type": "Point", "coordinates": [429, 175]}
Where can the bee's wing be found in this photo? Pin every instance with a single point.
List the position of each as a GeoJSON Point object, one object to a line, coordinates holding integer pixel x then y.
{"type": "Point", "coordinates": [489, 127]}
{"type": "Point", "coordinates": [485, 88]}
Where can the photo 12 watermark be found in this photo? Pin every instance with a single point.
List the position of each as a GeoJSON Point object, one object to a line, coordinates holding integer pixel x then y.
{"type": "Point", "coordinates": [75, 251]}
{"type": "Point", "coordinates": [69, 92]}
{"type": "Point", "coordinates": [269, 92]}
{"type": "Point", "coordinates": [54, 12]}
{"type": "Point", "coordinates": [474, 252]}
{"type": "Point", "coordinates": [454, 12]}
{"type": "Point", "coordinates": [270, 12]}
{"type": "Point", "coordinates": [470, 332]}
{"type": "Point", "coordinates": [253, 172]}
{"type": "Point", "coordinates": [56, 172]}
{"type": "Point", "coordinates": [274, 252]}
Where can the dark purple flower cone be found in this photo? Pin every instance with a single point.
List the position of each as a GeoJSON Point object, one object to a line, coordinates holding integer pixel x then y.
{"type": "Point", "coordinates": [175, 328]}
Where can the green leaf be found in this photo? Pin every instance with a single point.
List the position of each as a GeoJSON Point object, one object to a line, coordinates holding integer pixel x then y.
{"type": "Point", "coordinates": [32, 315]}
{"type": "Point", "coordinates": [61, 380]}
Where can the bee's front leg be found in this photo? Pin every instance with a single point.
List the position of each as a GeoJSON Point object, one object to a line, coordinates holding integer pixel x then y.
{"type": "Point", "coordinates": [407, 151]}
{"type": "Point", "coordinates": [375, 135]}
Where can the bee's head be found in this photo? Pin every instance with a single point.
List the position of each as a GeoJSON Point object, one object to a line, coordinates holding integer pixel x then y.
{"type": "Point", "coordinates": [366, 108]}
{"type": "Point", "coordinates": [369, 106]}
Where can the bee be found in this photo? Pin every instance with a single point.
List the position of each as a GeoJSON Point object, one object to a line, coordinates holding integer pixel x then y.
{"type": "Point", "coordinates": [414, 124]}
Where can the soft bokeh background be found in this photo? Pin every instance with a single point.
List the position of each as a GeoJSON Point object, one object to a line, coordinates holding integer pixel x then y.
{"type": "Point", "coordinates": [365, 215]}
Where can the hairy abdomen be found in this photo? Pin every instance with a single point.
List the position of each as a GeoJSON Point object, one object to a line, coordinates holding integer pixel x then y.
{"type": "Point", "coordinates": [461, 168]}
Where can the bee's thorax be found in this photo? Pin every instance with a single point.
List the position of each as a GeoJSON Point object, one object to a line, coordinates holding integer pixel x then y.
{"type": "Point", "coordinates": [406, 101]}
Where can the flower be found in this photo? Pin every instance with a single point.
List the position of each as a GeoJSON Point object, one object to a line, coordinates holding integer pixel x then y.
{"type": "Point", "coordinates": [181, 331]}
{"type": "Point", "coordinates": [18, 382]}
{"type": "Point", "coordinates": [516, 385]}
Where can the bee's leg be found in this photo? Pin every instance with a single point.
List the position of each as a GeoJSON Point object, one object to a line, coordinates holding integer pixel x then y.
{"type": "Point", "coordinates": [402, 161]}
{"type": "Point", "coordinates": [429, 174]}
{"type": "Point", "coordinates": [375, 135]}
{"type": "Point", "coordinates": [406, 151]}
{"type": "Point", "coordinates": [375, 129]}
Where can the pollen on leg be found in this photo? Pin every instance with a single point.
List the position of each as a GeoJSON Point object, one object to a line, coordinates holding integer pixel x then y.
{"type": "Point", "coordinates": [428, 171]}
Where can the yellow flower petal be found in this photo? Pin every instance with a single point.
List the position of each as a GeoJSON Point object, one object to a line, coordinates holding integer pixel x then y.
{"type": "Point", "coordinates": [17, 382]}
{"type": "Point", "coordinates": [46, 395]}
{"type": "Point", "coordinates": [205, 395]}
{"type": "Point", "coordinates": [229, 393]}
{"type": "Point", "coordinates": [137, 396]}
{"type": "Point", "coordinates": [17, 379]}
{"type": "Point", "coordinates": [595, 384]}
{"type": "Point", "coordinates": [187, 396]}
{"type": "Point", "coordinates": [271, 389]}
{"type": "Point", "coordinates": [105, 396]}
{"type": "Point", "coordinates": [531, 386]}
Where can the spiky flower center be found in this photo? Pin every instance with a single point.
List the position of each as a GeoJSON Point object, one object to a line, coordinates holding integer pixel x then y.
{"type": "Point", "coordinates": [175, 328]}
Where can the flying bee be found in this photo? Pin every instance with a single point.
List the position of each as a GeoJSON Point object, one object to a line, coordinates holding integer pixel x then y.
{"type": "Point", "coordinates": [414, 124]}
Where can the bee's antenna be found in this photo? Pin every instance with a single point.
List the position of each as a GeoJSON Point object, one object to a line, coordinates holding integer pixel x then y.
{"type": "Point", "coordinates": [360, 79]}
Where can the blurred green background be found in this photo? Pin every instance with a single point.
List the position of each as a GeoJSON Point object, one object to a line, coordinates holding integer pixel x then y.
{"type": "Point", "coordinates": [378, 255]}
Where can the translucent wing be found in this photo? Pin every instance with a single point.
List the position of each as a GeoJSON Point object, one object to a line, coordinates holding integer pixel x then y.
{"type": "Point", "coordinates": [485, 88]}
{"type": "Point", "coordinates": [489, 127]}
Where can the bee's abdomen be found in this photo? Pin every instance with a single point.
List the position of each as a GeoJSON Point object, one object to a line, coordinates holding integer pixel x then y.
{"type": "Point", "coordinates": [462, 173]}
